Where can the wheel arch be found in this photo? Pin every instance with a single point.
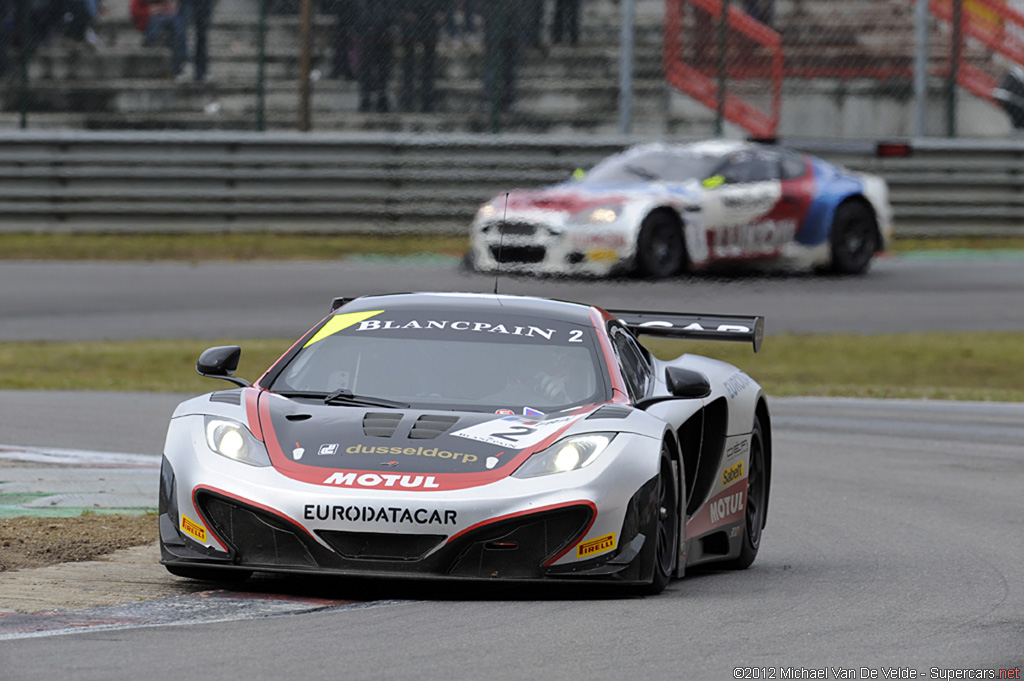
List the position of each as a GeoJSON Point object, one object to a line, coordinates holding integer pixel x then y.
{"type": "Point", "coordinates": [861, 199]}
{"type": "Point", "coordinates": [764, 417]}
{"type": "Point", "coordinates": [675, 215]}
{"type": "Point", "coordinates": [675, 452]}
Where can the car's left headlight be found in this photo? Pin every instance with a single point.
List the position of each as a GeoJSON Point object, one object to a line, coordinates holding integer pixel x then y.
{"type": "Point", "coordinates": [232, 439]}
{"type": "Point", "coordinates": [569, 454]}
{"type": "Point", "coordinates": [602, 215]}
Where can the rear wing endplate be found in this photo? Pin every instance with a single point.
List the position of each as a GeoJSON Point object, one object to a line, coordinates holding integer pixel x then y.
{"type": "Point", "coordinates": [694, 326]}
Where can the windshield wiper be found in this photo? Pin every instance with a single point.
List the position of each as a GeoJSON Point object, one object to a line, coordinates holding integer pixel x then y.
{"type": "Point", "coordinates": [344, 395]}
{"type": "Point", "coordinates": [347, 395]}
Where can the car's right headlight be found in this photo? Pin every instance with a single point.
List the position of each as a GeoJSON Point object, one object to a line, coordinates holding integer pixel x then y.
{"type": "Point", "coordinates": [566, 455]}
{"type": "Point", "coordinates": [233, 440]}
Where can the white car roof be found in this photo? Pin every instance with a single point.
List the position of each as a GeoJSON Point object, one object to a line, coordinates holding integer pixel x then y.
{"type": "Point", "coordinates": [716, 147]}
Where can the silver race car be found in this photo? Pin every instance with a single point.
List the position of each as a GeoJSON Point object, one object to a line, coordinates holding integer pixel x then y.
{"type": "Point", "coordinates": [660, 209]}
{"type": "Point", "coordinates": [472, 437]}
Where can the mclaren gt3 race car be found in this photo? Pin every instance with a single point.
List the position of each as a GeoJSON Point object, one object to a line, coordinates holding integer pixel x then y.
{"type": "Point", "coordinates": [660, 209]}
{"type": "Point", "coordinates": [472, 437]}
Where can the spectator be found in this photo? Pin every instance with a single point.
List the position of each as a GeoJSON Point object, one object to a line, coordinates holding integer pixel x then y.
{"type": "Point", "coordinates": [461, 19]}
{"type": "Point", "coordinates": [345, 58]}
{"type": "Point", "coordinates": [420, 25]}
{"type": "Point", "coordinates": [8, 17]}
{"type": "Point", "coordinates": [196, 15]}
{"type": "Point", "coordinates": [506, 31]}
{"type": "Point", "coordinates": [566, 22]}
{"type": "Point", "coordinates": [532, 21]}
{"type": "Point", "coordinates": [161, 23]}
{"type": "Point", "coordinates": [73, 19]}
{"type": "Point", "coordinates": [375, 27]}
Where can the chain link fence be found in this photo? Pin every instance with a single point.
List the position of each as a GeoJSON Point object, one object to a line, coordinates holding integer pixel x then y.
{"type": "Point", "coordinates": [667, 68]}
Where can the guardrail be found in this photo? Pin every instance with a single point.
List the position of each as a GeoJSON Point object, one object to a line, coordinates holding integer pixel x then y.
{"type": "Point", "coordinates": [148, 182]}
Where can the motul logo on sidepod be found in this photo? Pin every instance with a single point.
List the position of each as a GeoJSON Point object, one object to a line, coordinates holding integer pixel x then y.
{"type": "Point", "coordinates": [726, 506]}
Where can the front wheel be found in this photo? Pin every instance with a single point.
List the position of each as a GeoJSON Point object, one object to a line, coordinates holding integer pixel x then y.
{"type": "Point", "coordinates": [854, 238]}
{"type": "Point", "coordinates": [660, 251]}
{"type": "Point", "coordinates": [666, 534]}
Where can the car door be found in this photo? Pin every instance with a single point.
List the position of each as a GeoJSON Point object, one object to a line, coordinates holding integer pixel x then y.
{"type": "Point", "coordinates": [798, 189]}
{"type": "Point", "coordinates": [745, 191]}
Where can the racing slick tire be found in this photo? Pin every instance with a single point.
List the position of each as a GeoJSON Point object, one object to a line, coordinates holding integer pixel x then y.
{"type": "Point", "coordinates": [854, 238]}
{"type": "Point", "coordinates": [757, 497]}
{"type": "Point", "coordinates": [217, 575]}
{"type": "Point", "coordinates": [666, 535]}
{"type": "Point", "coordinates": [660, 250]}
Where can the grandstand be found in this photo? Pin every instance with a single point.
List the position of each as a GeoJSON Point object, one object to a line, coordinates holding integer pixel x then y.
{"type": "Point", "coordinates": [846, 71]}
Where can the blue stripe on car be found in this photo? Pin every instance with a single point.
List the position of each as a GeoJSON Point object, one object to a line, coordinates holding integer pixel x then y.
{"type": "Point", "coordinates": [833, 188]}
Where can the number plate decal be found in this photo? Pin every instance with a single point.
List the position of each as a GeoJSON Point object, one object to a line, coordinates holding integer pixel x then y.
{"type": "Point", "coordinates": [515, 432]}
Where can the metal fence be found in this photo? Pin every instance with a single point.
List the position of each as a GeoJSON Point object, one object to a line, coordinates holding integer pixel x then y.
{"type": "Point", "coordinates": [809, 68]}
{"type": "Point", "coordinates": [398, 184]}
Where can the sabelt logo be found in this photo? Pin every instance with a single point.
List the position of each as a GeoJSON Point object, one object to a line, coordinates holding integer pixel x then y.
{"type": "Point", "coordinates": [413, 451]}
{"type": "Point", "coordinates": [732, 474]}
{"type": "Point", "coordinates": [726, 506]}
{"type": "Point", "coordinates": [192, 528]}
{"type": "Point", "coordinates": [382, 480]}
{"type": "Point", "coordinates": [596, 546]}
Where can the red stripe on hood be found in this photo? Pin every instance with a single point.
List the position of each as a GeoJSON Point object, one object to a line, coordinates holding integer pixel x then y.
{"type": "Point", "coordinates": [568, 202]}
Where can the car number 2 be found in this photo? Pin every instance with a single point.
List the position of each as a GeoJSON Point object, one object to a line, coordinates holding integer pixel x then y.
{"type": "Point", "coordinates": [515, 432]}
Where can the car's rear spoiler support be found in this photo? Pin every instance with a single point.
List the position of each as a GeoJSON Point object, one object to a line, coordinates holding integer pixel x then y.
{"type": "Point", "coordinates": [694, 326]}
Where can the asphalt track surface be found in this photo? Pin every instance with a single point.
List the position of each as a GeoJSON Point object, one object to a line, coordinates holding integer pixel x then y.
{"type": "Point", "coordinates": [893, 541]}
{"type": "Point", "coordinates": [893, 537]}
{"type": "Point", "coordinates": [94, 301]}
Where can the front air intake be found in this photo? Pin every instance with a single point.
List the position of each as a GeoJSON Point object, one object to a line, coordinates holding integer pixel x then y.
{"type": "Point", "coordinates": [429, 426]}
{"type": "Point", "coordinates": [377, 424]}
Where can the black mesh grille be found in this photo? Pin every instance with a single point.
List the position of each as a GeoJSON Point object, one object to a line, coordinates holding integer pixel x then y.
{"type": "Point", "coordinates": [227, 396]}
{"type": "Point", "coordinates": [517, 229]}
{"type": "Point", "coordinates": [257, 538]}
{"type": "Point", "coordinates": [536, 538]}
{"type": "Point", "coordinates": [523, 254]}
{"type": "Point", "coordinates": [380, 545]}
{"type": "Point", "coordinates": [377, 424]}
{"type": "Point", "coordinates": [427, 427]}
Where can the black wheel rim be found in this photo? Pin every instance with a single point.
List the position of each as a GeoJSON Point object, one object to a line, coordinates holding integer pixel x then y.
{"type": "Point", "coordinates": [663, 249]}
{"type": "Point", "coordinates": [856, 239]}
{"type": "Point", "coordinates": [755, 493]}
{"type": "Point", "coordinates": [666, 521]}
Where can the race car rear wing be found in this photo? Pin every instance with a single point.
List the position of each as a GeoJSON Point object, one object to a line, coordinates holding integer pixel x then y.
{"type": "Point", "coordinates": [694, 326]}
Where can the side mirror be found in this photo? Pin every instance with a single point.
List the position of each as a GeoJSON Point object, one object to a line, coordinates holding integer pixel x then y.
{"type": "Point", "coordinates": [221, 362]}
{"type": "Point", "coordinates": [686, 383]}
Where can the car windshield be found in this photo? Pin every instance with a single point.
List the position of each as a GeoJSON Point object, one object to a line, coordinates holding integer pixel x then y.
{"type": "Point", "coordinates": [651, 166]}
{"type": "Point", "coordinates": [440, 359]}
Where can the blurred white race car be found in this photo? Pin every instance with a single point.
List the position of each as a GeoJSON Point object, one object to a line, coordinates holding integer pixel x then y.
{"type": "Point", "coordinates": [659, 209]}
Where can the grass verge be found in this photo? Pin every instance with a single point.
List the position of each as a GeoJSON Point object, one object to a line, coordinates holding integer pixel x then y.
{"type": "Point", "coordinates": [961, 366]}
{"type": "Point", "coordinates": [243, 246]}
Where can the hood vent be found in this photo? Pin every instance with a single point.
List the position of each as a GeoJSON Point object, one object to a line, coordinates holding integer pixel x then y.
{"type": "Point", "coordinates": [429, 426]}
{"type": "Point", "coordinates": [611, 411]}
{"type": "Point", "coordinates": [227, 396]}
{"type": "Point", "coordinates": [377, 424]}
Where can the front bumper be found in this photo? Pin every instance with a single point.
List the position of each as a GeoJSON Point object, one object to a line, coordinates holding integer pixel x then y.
{"type": "Point", "coordinates": [240, 517]}
{"type": "Point", "coordinates": [536, 247]}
